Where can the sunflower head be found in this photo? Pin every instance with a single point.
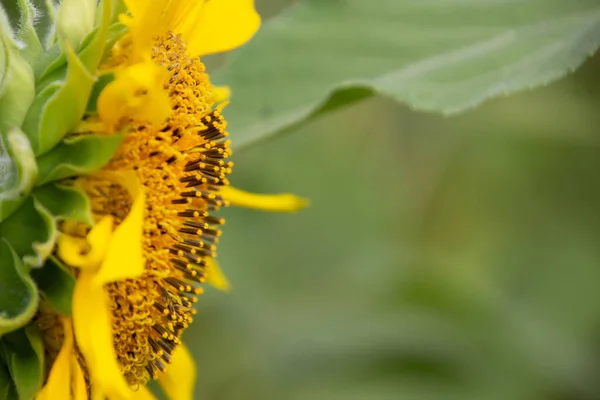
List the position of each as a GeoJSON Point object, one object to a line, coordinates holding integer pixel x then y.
{"type": "Point", "coordinates": [181, 166]}
{"type": "Point", "coordinates": [114, 165]}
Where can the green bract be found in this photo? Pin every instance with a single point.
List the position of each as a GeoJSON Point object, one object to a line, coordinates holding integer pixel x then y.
{"type": "Point", "coordinates": [27, 34]}
{"type": "Point", "coordinates": [49, 80]}
{"type": "Point", "coordinates": [59, 107]}
{"type": "Point", "coordinates": [18, 170]}
{"type": "Point", "coordinates": [76, 20]}
{"type": "Point", "coordinates": [24, 357]}
{"type": "Point", "coordinates": [18, 294]}
{"type": "Point", "coordinates": [16, 83]}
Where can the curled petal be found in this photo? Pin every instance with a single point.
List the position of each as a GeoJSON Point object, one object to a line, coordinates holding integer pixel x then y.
{"type": "Point", "coordinates": [136, 92]}
{"type": "Point", "coordinates": [86, 253]}
{"type": "Point", "coordinates": [123, 258]}
{"type": "Point", "coordinates": [284, 202]}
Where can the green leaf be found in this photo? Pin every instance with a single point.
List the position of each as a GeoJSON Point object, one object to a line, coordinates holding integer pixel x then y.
{"type": "Point", "coordinates": [59, 107]}
{"type": "Point", "coordinates": [75, 156]}
{"type": "Point", "coordinates": [433, 55]}
{"type": "Point", "coordinates": [18, 294]}
{"type": "Point", "coordinates": [64, 202]}
{"type": "Point", "coordinates": [56, 285]}
{"type": "Point", "coordinates": [26, 360]}
{"type": "Point", "coordinates": [27, 34]}
{"type": "Point", "coordinates": [31, 230]}
{"type": "Point", "coordinates": [18, 171]}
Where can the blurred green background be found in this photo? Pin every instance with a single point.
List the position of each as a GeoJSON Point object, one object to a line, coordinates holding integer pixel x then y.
{"type": "Point", "coordinates": [441, 258]}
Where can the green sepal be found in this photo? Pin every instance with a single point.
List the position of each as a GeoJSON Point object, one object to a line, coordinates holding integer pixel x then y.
{"type": "Point", "coordinates": [18, 171]}
{"type": "Point", "coordinates": [31, 230]}
{"type": "Point", "coordinates": [65, 202]}
{"type": "Point", "coordinates": [75, 20]}
{"type": "Point", "coordinates": [17, 86]}
{"type": "Point", "coordinates": [5, 27]}
{"type": "Point", "coordinates": [76, 156]}
{"type": "Point", "coordinates": [51, 66]}
{"type": "Point", "coordinates": [115, 32]}
{"type": "Point", "coordinates": [6, 383]}
{"type": "Point", "coordinates": [99, 86]}
{"type": "Point", "coordinates": [50, 62]}
{"type": "Point", "coordinates": [27, 33]}
{"type": "Point", "coordinates": [54, 280]}
{"type": "Point", "coordinates": [18, 293]}
{"type": "Point", "coordinates": [12, 392]}
{"type": "Point", "coordinates": [59, 107]}
{"type": "Point", "coordinates": [52, 12]}
{"type": "Point", "coordinates": [4, 61]}
{"type": "Point", "coordinates": [118, 7]}
{"type": "Point", "coordinates": [56, 284]}
{"type": "Point", "coordinates": [24, 351]}
{"type": "Point", "coordinates": [93, 48]}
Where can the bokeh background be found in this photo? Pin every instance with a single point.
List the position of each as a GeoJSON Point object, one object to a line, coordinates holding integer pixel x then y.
{"type": "Point", "coordinates": [441, 257]}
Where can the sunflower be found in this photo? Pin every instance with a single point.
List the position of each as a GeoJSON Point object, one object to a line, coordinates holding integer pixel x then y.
{"type": "Point", "coordinates": [152, 235]}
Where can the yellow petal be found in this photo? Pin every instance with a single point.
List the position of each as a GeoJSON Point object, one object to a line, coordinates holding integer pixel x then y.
{"type": "Point", "coordinates": [79, 385]}
{"type": "Point", "coordinates": [180, 376]}
{"type": "Point", "coordinates": [59, 379]}
{"type": "Point", "coordinates": [143, 393]}
{"type": "Point", "coordinates": [124, 257]}
{"type": "Point", "coordinates": [215, 276]}
{"type": "Point", "coordinates": [284, 202]}
{"type": "Point", "coordinates": [222, 93]}
{"type": "Point", "coordinates": [86, 253]}
{"type": "Point", "coordinates": [93, 330]}
{"type": "Point", "coordinates": [138, 8]}
{"type": "Point", "coordinates": [220, 26]}
{"type": "Point", "coordinates": [136, 92]}
{"type": "Point", "coordinates": [146, 21]}
{"type": "Point", "coordinates": [206, 26]}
